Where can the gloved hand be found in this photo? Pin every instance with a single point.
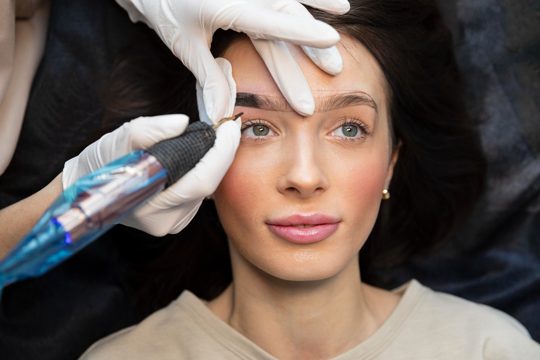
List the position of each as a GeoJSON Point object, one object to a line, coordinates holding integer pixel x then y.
{"type": "Point", "coordinates": [187, 26]}
{"type": "Point", "coordinates": [172, 209]}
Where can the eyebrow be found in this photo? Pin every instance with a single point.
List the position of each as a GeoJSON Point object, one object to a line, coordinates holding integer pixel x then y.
{"type": "Point", "coordinates": [325, 103]}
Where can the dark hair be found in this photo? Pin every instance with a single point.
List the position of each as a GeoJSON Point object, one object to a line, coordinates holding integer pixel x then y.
{"type": "Point", "coordinates": [439, 174]}
{"type": "Point", "coordinates": [440, 171]}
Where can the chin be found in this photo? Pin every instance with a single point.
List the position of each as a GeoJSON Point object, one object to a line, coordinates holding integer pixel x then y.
{"type": "Point", "coordinates": [306, 266]}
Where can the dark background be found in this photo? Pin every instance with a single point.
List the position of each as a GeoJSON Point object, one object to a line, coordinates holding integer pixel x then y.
{"type": "Point", "coordinates": [493, 259]}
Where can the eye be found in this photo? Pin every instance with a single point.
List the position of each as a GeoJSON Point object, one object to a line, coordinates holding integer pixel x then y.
{"type": "Point", "coordinates": [351, 130]}
{"type": "Point", "coordinates": [256, 129]}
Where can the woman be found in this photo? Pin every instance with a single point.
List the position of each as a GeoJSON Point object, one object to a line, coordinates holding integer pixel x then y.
{"type": "Point", "coordinates": [64, 109]}
{"type": "Point", "coordinates": [200, 20]}
{"type": "Point", "coordinates": [303, 196]}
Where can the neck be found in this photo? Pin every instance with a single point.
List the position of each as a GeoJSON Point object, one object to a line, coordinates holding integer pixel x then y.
{"type": "Point", "coordinates": [292, 320]}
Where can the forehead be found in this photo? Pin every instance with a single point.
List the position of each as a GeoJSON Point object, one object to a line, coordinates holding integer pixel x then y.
{"type": "Point", "coordinates": [361, 72]}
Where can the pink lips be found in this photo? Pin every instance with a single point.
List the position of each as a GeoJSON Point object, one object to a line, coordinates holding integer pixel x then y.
{"type": "Point", "coordinates": [304, 229]}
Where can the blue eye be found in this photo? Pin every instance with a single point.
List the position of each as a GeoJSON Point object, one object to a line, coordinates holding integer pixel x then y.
{"type": "Point", "coordinates": [256, 130]}
{"type": "Point", "coordinates": [260, 130]}
{"type": "Point", "coordinates": [350, 130]}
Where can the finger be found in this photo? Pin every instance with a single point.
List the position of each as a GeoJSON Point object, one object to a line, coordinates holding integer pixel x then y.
{"type": "Point", "coordinates": [203, 180]}
{"type": "Point", "coordinates": [140, 133]}
{"type": "Point", "coordinates": [337, 7]}
{"type": "Point", "coordinates": [226, 68]}
{"type": "Point", "coordinates": [287, 74]}
{"type": "Point", "coordinates": [217, 95]}
{"type": "Point", "coordinates": [203, 115]}
{"type": "Point", "coordinates": [146, 131]}
{"type": "Point", "coordinates": [328, 60]}
{"type": "Point", "coordinates": [260, 23]}
{"type": "Point", "coordinates": [158, 218]}
{"type": "Point", "coordinates": [186, 218]}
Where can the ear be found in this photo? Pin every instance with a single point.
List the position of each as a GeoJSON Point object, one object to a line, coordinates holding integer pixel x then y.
{"type": "Point", "coordinates": [391, 165]}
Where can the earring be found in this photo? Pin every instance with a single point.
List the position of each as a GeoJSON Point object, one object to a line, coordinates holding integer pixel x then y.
{"type": "Point", "coordinates": [385, 194]}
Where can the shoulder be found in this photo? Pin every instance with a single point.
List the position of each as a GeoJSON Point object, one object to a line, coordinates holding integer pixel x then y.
{"type": "Point", "coordinates": [469, 325]}
{"type": "Point", "coordinates": [164, 334]}
{"type": "Point", "coordinates": [457, 311]}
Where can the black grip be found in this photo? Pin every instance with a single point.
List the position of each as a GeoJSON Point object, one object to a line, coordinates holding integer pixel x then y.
{"type": "Point", "coordinates": [180, 154]}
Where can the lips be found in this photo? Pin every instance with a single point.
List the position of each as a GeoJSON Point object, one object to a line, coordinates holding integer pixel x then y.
{"type": "Point", "coordinates": [304, 229]}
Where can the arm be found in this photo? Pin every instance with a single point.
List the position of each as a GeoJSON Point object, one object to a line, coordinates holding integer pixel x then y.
{"type": "Point", "coordinates": [17, 219]}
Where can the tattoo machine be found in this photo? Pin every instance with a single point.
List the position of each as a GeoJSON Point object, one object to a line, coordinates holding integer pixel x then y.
{"type": "Point", "coordinates": [97, 201]}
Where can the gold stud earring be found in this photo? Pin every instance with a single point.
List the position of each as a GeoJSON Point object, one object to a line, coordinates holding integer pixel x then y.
{"type": "Point", "coordinates": [385, 194]}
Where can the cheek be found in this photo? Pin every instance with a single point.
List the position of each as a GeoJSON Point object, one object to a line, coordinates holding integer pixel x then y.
{"type": "Point", "coordinates": [359, 173]}
{"type": "Point", "coordinates": [234, 188]}
{"type": "Point", "coordinates": [244, 185]}
{"type": "Point", "coordinates": [365, 180]}
{"type": "Point", "coordinates": [360, 192]}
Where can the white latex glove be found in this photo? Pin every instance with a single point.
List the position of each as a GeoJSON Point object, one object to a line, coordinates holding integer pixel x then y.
{"type": "Point", "coordinates": [172, 209]}
{"type": "Point", "coordinates": [187, 27]}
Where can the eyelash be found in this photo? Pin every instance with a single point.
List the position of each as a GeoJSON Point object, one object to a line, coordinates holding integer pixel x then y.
{"type": "Point", "coordinates": [363, 128]}
{"type": "Point", "coordinates": [250, 123]}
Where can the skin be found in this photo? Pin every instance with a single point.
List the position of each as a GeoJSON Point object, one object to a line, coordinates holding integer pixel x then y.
{"type": "Point", "coordinates": [288, 164]}
{"type": "Point", "coordinates": [17, 219]}
{"type": "Point", "coordinates": [285, 297]}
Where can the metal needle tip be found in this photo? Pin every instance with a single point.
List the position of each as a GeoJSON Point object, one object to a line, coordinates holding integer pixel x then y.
{"type": "Point", "coordinates": [221, 121]}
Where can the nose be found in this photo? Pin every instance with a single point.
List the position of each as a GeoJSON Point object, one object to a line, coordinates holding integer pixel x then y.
{"type": "Point", "coordinates": [303, 169]}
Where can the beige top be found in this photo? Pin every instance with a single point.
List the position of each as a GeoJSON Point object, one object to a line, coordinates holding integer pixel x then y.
{"type": "Point", "coordinates": [424, 325]}
{"type": "Point", "coordinates": [23, 29]}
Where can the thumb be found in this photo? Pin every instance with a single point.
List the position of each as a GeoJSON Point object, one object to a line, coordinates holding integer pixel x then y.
{"type": "Point", "coordinates": [217, 95]}
{"type": "Point", "coordinates": [226, 69]}
{"type": "Point", "coordinates": [287, 74]}
{"type": "Point", "coordinates": [147, 131]}
{"type": "Point", "coordinates": [140, 133]}
{"type": "Point", "coordinates": [203, 180]}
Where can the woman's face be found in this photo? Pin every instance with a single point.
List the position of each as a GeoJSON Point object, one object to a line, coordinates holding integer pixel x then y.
{"type": "Point", "coordinates": [303, 193]}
